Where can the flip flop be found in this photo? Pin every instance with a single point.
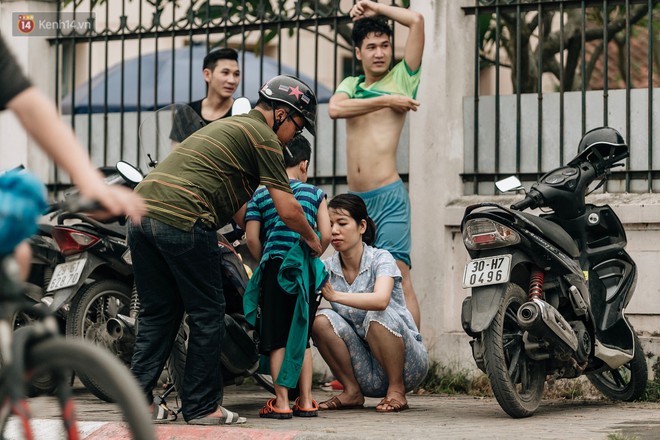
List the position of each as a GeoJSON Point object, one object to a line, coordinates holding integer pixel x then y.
{"type": "Point", "coordinates": [221, 416]}
{"type": "Point", "coordinates": [298, 411]}
{"type": "Point", "coordinates": [270, 412]}
{"type": "Point", "coordinates": [334, 403]}
{"type": "Point", "coordinates": [395, 405]}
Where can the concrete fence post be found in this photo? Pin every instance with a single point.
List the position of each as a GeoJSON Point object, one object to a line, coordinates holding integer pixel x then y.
{"type": "Point", "coordinates": [436, 159]}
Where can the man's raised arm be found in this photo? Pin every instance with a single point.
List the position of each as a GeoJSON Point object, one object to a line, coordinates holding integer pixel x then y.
{"type": "Point", "coordinates": [413, 20]}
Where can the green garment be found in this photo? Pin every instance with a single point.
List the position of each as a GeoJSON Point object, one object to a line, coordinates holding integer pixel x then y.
{"type": "Point", "coordinates": [398, 81]}
{"type": "Point", "coordinates": [299, 270]}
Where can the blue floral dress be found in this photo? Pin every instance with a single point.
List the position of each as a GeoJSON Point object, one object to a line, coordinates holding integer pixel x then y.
{"type": "Point", "coordinates": [352, 325]}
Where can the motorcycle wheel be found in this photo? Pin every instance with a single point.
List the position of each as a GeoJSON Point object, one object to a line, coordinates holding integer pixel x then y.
{"type": "Point", "coordinates": [176, 365]}
{"type": "Point", "coordinates": [176, 362]}
{"type": "Point", "coordinates": [266, 382]}
{"type": "Point", "coordinates": [90, 311]}
{"type": "Point", "coordinates": [517, 381]}
{"type": "Point", "coordinates": [628, 382]}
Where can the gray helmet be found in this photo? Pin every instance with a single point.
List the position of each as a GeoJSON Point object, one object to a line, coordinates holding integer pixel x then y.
{"type": "Point", "coordinates": [296, 94]}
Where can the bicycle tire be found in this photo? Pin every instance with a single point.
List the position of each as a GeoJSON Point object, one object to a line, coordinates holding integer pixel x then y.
{"type": "Point", "coordinates": [93, 361]}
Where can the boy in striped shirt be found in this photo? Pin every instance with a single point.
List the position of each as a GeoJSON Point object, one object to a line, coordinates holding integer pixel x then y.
{"type": "Point", "coordinates": [269, 240]}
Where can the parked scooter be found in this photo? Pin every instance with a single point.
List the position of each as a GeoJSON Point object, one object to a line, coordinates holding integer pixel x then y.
{"type": "Point", "coordinates": [45, 253]}
{"type": "Point", "coordinates": [549, 291]}
{"type": "Point", "coordinates": [93, 285]}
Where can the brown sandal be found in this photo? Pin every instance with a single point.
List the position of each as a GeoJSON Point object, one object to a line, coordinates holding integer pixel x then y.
{"type": "Point", "coordinates": [395, 405]}
{"type": "Point", "coordinates": [334, 403]}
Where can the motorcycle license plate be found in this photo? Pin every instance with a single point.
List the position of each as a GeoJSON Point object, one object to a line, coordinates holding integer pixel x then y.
{"type": "Point", "coordinates": [485, 271]}
{"type": "Point", "coordinates": [66, 274]}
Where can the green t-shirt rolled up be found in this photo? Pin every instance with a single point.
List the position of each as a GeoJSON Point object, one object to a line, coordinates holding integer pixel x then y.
{"type": "Point", "coordinates": [398, 81]}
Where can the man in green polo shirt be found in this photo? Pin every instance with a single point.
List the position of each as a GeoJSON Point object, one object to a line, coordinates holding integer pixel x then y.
{"type": "Point", "coordinates": [198, 188]}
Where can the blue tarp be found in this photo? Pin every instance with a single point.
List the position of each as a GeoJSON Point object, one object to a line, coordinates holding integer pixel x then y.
{"type": "Point", "coordinates": [254, 72]}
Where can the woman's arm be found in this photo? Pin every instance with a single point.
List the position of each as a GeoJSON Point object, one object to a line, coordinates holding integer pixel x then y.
{"type": "Point", "coordinates": [376, 300]}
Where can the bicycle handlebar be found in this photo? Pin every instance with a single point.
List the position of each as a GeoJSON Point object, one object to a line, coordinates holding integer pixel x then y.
{"type": "Point", "coordinates": [76, 204]}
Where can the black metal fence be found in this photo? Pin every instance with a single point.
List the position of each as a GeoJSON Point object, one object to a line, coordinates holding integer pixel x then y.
{"type": "Point", "coordinates": [549, 70]}
{"type": "Point", "coordinates": [143, 54]}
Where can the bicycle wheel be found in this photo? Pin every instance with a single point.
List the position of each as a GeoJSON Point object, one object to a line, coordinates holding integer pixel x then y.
{"type": "Point", "coordinates": [63, 356]}
{"type": "Point", "coordinates": [42, 384]}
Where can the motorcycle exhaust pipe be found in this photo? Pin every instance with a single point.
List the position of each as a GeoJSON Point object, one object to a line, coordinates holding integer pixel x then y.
{"type": "Point", "coordinates": [115, 328]}
{"type": "Point", "coordinates": [544, 321]}
{"type": "Point", "coordinates": [118, 327]}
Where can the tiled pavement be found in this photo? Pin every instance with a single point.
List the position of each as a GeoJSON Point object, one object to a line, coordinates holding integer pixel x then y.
{"type": "Point", "coordinates": [430, 417]}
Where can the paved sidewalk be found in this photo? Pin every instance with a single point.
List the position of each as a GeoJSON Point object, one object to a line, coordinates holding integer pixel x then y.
{"type": "Point", "coordinates": [430, 417]}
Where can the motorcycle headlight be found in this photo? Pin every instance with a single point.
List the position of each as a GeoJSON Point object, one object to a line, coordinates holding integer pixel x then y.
{"type": "Point", "coordinates": [483, 233]}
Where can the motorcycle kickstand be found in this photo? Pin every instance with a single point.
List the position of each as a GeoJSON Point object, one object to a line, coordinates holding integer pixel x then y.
{"type": "Point", "coordinates": [159, 401]}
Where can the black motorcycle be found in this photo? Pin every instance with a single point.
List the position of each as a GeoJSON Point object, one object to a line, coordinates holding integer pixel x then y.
{"type": "Point", "coordinates": [549, 291]}
{"type": "Point", "coordinates": [46, 254]}
{"type": "Point", "coordinates": [92, 284]}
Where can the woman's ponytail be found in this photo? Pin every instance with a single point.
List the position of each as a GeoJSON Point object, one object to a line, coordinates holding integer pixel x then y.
{"type": "Point", "coordinates": [369, 235]}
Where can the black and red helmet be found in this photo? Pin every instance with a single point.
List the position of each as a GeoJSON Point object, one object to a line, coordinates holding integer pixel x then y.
{"type": "Point", "coordinates": [296, 94]}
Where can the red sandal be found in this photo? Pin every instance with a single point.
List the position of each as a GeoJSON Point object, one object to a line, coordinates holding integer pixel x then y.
{"type": "Point", "coordinates": [305, 412]}
{"type": "Point", "coordinates": [270, 412]}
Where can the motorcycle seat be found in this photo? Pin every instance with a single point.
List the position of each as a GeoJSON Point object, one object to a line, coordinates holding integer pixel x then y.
{"type": "Point", "coordinates": [555, 234]}
{"type": "Point", "coordinates": [116, 229]}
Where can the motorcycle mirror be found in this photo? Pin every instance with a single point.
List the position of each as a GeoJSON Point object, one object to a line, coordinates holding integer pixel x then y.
{"type": "Point", "coordinates": [160, 130]}
{"type": "Point", "coordinates": [128, 172]}
{"type": "Point", "coordinates": [241, 105]}
{"type": "Point", "coordinates": [509, 184]}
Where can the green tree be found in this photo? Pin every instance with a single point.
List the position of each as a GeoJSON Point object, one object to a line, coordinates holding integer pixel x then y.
{"type": "Point", "coordinates": [540, 37]}
{"type": "Point", "coordinates": [200, 12]}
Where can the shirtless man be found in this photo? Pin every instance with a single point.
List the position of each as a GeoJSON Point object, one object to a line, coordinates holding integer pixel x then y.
{"type": "Point", "coordinates": [375, 106]}
{"type": "Point", "coordinates": [222, 76]}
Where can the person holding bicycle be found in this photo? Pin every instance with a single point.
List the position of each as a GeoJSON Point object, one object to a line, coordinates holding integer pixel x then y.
{"type": "Point", "coordinates": [206, 181]}
{"type": "Point", "coordinates": [39, 116]}
{"type": "Point", "coordinates": [22, 200]}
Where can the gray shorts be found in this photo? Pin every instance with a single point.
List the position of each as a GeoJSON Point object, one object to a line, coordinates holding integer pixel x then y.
{"type": "Point", "coordinates": [368, 372]}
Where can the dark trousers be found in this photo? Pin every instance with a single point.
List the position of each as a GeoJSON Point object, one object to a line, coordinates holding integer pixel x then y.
{"type": "Point", "coordinates": [278, 308]}
{"type": "Point", "coordinates": [177, 271]}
